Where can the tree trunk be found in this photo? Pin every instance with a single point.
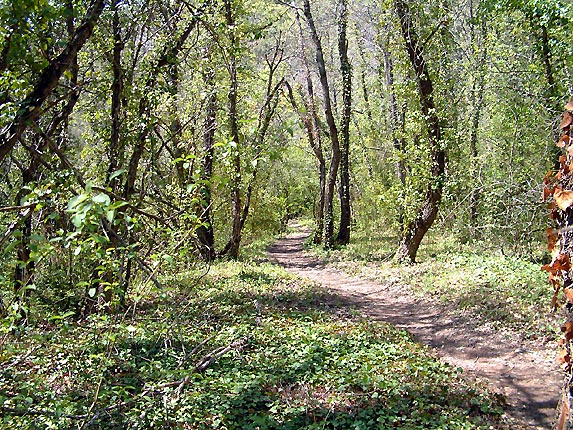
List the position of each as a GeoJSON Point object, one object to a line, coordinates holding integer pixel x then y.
{"type": "Point", "coordinates": [116, 95]}
{"type": "Point", "coordinates": [328, 241]}
{"type": "Point", "coordinates": [205, 232]}
{"type": "Point", "coordinates": [235, 240]}
{"type": "Point", "coordinates": [477, 102]}
{"type": "Point", "coordinates": [343, 236]}
{"type": "Point", "coordinates": [417, 228]}
{"type": "Point", "coordinates": [312, 126]}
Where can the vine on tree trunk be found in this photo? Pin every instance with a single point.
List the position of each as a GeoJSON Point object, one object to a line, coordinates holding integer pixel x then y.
{"type": "Point", "coordinates": [558, 188]}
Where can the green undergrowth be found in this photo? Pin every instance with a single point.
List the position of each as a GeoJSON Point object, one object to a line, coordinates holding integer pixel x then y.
{"type": "Point", "coordinates": [489, 286]}
{"type": "Point", "coordinates": [244, 346]}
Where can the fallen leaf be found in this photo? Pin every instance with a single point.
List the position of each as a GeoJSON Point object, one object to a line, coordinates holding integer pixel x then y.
{"type": "Point", "coordinates": [569, 294]}
{"type": "Point", "coordinates": [564, 141]}
{"type": "Point", "coordinates": [569, 106]}
{"type": "Point", "coordinates": [547, 192]}
{"type": "Point", "coordinates": [563, 198]}
{"type": "Point", "coordinates": [547, 179]}
{"type": "Point", "coordinates": [555, 300]}
{"type": "Point", "coordinates": [567, 330]}
{"type": "Point", "coordinates": [552, 236]}
{"type": "Point", "coordinates": [562, 262]}
{"type": "Point", "coordinates": [563, 164]}
{"type": "Point", "coordinates": [566, 121]}
{"type": "Point", "coordinates": [563, 357]}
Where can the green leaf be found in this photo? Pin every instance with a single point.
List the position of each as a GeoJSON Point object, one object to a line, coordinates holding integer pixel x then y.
{"type": "Point", "coordinates": [102, 199]}
{"type": "Point", "coordinates": [116, 174]}
{"type": "Point", "coordinates": [75, 201]}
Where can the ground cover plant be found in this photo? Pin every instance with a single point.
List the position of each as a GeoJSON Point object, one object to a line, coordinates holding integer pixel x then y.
{"type": "Point", "coordinates": [242, 347]}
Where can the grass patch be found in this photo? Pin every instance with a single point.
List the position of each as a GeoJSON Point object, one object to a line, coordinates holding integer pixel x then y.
{"type": "Point", "coordinates": [243, 347]}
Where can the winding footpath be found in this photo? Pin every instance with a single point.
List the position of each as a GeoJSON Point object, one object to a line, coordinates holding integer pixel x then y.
{"type": "Point", "coordinates": [522, 371]}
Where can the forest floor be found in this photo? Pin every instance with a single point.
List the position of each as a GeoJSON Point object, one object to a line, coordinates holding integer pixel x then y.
{"type": "Point", "coordinates": [523, 371]}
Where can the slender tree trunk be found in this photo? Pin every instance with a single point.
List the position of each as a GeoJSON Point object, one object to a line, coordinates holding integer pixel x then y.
{"type": "Point", "coordinates": [235, 240]}
{"type": "Point", "coordinates": [312, 126]}
{"type": "Point", "coordinates": [418, 227]}
{"type": "Point", "coordinates": [343, 236]}
{"type": "Point", "coordinates": [205, 232]}
{"type": "Point", "coordinates": [477, 102]}
{"type": "Point", "coordinates": [328, 241]}
{"type": "Point", "coordinates": [24, 271]}
{"type": "Point", "coordinates": [116, 96]}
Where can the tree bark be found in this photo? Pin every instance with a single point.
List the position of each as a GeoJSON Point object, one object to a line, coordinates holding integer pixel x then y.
{"type": "Point", "coordinates": [477, 102]}
{"type": "Point", "coordinates": [328, 240]}
{"type": "Point", "coordinates": [205, 232]}
{"type": "Point", "coordinates": [233, 246]}
{"type": "Point", "coordinates": [312, 126]}
{"type": "Point", "coordinates": [343, 236]}
{"type": "Point", "coordinates": [116, 94]}
{"type": "Point", "coordinates": [417, 228]}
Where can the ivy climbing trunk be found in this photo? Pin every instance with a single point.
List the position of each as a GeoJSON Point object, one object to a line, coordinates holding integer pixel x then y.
{"type": "Point", "coordinates": [418, 227]}
{"type": "Point", "coordinates": [343, 236]}
{"type": "Point", "coordinates": [232, 247]}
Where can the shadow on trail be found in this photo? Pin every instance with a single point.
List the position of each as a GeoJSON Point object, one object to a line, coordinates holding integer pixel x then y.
{"type": "Point", "coordinates": [511, 366]}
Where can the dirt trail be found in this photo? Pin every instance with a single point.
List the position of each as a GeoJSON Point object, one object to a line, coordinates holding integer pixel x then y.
{"type": "Point", "coordinates": [522, 371]}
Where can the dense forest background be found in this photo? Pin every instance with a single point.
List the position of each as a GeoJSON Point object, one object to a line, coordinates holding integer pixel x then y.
{"type": "Point", "coordinates": [140, 134]}
{"type": "Point", "coordinates": [145, 138]}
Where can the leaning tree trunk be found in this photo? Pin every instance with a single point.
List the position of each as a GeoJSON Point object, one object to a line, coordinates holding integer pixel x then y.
{"type": "Point", "coordinates": [417, 228]}
{"type": "Point", "coordinates": [31, 106]}
{"type": "Point", "coordinates": [559, 184]}
{"type": "Point", "coordinates": [312, 125]}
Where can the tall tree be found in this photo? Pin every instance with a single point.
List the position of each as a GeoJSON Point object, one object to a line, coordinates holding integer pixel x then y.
{"type": "Point", "coordinates": [343, 236]}
{"type": "Point", "coordinates": [328, 241]}
{"type": "Point", "coordinates": [417, 228]}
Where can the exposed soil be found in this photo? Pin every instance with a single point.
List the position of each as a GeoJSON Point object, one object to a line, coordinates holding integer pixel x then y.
{"type": "Point", "coordinates": [522, 371]}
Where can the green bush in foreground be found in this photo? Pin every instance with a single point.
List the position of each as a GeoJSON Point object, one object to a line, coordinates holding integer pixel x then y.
{"type": "Point", "coordinates": [244, 347]}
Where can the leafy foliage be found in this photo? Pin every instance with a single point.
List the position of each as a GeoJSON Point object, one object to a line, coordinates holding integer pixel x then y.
{"type": "Point", "coordinates": [297, 359]}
